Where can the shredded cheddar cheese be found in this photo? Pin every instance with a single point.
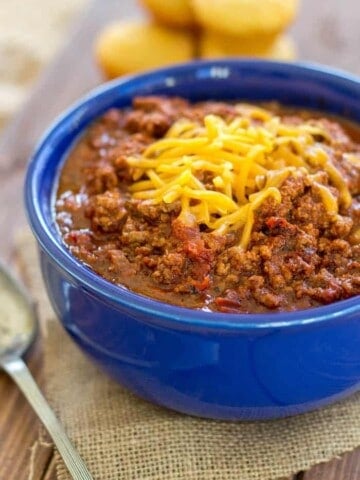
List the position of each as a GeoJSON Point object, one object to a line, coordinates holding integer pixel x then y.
{"type": "Point", "coordinates": [221, 172]}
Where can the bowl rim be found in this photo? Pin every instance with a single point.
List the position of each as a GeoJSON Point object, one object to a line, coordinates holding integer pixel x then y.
{"type": "Point", "coordinates": [156, 311]}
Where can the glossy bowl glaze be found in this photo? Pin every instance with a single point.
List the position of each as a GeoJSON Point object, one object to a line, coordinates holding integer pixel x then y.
{"type": "Point", "coordinates": [225, 366]}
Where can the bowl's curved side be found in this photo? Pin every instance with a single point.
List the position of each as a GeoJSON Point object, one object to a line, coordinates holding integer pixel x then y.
{"type": "Point", "coordinates": [267, 374]}
{"type": "Point", "coordinates": [221, 365]}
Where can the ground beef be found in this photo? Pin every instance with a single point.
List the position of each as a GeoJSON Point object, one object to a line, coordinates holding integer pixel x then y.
{"type": "Point", "coordinates": [107, 211]}
{"type": "Point", "coordinates": [298, 257]}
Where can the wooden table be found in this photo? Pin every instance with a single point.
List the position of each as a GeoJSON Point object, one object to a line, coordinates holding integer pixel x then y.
{"type": "Point", "coordinates": [326, 31]}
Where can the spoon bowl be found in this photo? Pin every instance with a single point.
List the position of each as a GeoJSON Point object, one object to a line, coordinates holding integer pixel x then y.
{"type": "Point", "coordinates": [18, 321]}
{"type": "Point", "coordinates": [18, 329]}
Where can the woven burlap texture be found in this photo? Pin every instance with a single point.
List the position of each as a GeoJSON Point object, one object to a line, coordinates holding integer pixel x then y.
{"type": "Point", "coordinates": [123, 437]}
{"type": "Point", "coordinates": [31, 32]}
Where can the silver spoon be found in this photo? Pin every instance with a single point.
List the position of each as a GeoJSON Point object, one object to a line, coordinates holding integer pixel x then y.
{"type": "Point", "coordinates": [18, 328]}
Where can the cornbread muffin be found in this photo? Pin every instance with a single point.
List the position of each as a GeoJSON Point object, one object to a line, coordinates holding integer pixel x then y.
{"type": "Point", "coordinates": [132, 47]}
{"type": "Point", "coordinates": [214, 45]}
{"type": "Point", "coordinates": [177, 13]}
{"type": "Point", "coordinates": [245, 17]}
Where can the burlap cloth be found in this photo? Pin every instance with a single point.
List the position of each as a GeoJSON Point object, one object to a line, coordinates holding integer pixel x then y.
{"type": "Point", "coordinates": [123, 437]}
{"type": "Point", "coordinates": [31, 31]}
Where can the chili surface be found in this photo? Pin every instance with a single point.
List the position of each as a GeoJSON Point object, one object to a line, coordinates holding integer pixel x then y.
{"type": "Point", "coordinates": [299, 254]}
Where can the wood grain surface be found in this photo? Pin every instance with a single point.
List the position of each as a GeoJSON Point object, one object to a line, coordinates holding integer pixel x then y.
{"type": "Point", "coordinates": [326, 31]}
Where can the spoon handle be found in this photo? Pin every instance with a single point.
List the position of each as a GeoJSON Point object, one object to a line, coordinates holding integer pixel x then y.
{"type": "Point", "coordinates": [19, 372]}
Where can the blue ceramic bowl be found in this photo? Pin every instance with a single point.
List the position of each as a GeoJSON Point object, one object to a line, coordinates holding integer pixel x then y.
{"type": "Point", "coordinates": [225, 366]}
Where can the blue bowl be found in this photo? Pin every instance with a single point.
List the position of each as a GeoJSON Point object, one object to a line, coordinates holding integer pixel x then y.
{"type": "Point", "coordinates": [224, 366]}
